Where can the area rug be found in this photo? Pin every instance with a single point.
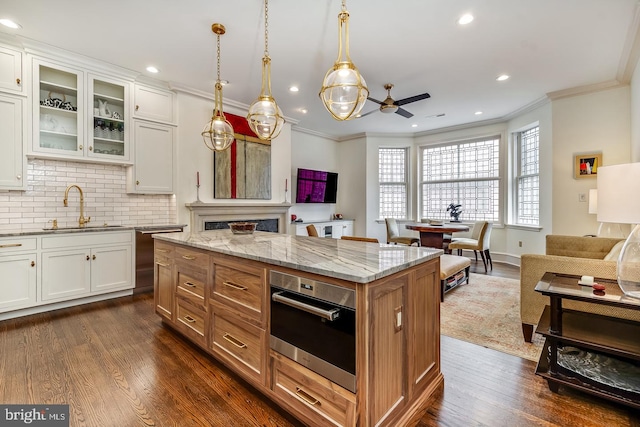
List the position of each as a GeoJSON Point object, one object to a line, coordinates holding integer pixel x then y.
{"type": "Point", "coordinates": [486, 312]}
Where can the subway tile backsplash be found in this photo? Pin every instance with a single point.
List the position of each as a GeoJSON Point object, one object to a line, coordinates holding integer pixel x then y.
{"type": "Point", "coordinates": [105, 198]}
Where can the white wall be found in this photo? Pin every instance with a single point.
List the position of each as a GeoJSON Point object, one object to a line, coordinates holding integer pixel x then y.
{"type": "Point", "coordinates": [635, 115]}
{"type": "Point", "coordinates": [352, 193]}
{"type": "Point", "coordinates": [594, 122]}
{"type": "Point", "coordinates": [314, 152]}
{"type": "Point", "coordinates": [193, 156]}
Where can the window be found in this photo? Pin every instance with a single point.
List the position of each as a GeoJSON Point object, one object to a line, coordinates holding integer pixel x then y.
{"type": "Point", "coordinates": [464, 172]}
{"type": "Point", "coordinates": [527, 177]}
{"type": "Point", "coordinates": [392, 176]}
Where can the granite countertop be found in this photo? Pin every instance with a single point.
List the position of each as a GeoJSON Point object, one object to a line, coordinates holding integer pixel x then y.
{"type": "Point", "coordinates": [354, 261]}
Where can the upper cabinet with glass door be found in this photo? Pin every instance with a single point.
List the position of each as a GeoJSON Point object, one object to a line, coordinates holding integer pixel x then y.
{"type": "Point", "coordinates": [58, 109]}
{"type": "Point", "coordinates": [108, 124]}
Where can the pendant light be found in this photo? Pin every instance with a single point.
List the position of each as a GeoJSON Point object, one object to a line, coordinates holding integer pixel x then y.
{"type": "Point", "coordinates": [265, 117]}
{"type": "Point", "coordinates": [218, 133]}
{"type": "Point", "coordinates": [344, 90]}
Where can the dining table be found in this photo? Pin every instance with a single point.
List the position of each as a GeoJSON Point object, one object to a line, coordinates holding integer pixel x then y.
{"type": "Point", "coordinates": [433, 236]}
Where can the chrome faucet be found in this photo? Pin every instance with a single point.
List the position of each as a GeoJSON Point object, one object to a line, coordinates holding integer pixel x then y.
{"type": "Point", "coordinates": [82, 220]}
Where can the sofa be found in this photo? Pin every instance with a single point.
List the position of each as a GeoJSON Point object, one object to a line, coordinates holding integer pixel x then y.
{"type": "Point", "coordinates": [576, 255]}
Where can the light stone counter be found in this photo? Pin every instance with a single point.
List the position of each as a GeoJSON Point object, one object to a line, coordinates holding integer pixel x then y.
{"type": "Point", "coordinates": [342, 259]}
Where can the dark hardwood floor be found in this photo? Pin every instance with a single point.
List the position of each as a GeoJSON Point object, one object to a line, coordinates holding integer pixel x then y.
{"type": "Point", "coordinates": [115, 364]}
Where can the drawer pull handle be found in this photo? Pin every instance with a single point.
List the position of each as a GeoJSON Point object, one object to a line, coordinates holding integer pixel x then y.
{"type": "Point", "coordinates": [189, 284]}
{"type": "Point", "coordinates": [11, 245]}
{"type": "Point", "coordinates": [235, 286]}
{"type": "Point", "coordinates": [189, 319]}
{"type": "Point", "coordinates": [33, 263]}
{"type": "Point", "coordinates": [234, 341]}
{"type": "Point", "coordinates": [189, 257]}
{"type": "Point", "coordinates": [164, 251]}
{"type": "Point", "coordinates": [162, 264]}
{"type": "Point", "coordinates": [307, 397]}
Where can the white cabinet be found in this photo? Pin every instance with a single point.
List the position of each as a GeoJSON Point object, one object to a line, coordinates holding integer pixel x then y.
{"type": "Point", "coordinates": [82, 264]}
{"type": "Point", "coordinates": [155, 104]}
{"type": "Point", "coordinates": [11, 79]}
{"type": "Point", "coordinates": [153, 168]}
{"type": "Point", "coordinates": [108, 123]}
{"type": "Point", "coordinates": [58, 109]}
{"type": "Point", "coordinates": [79, 115]}
{"type": "Point", "coordinates": [335, 229]}
{"type": "Point", "coordinates": [18, 270]}
{"type": "Point", "coordinates": [13, 162]}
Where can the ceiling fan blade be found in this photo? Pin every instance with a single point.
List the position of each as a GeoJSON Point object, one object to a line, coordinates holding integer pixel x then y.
{"type": "Point", "coordinates": [370, 112]}
{"type": "Point", "coordinates": [404, 113]}
{"type": "Point", "coordinates": [412, 99]}
{"type": "Point", "coordinates": [374, 100]}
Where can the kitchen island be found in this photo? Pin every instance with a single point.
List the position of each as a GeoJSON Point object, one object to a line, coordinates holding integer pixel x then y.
{"type": "Point", "coordinates": [214, 288]}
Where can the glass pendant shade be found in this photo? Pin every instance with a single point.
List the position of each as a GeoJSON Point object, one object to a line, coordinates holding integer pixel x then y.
{"type": "Point", "coordinates": [265, 117]}
{"type": "Point", "coordinates": [218, 132]}
{"type": "Point", "coordinates": [618, 202]}
{"type": "Point", "coordinates": [344, 90]}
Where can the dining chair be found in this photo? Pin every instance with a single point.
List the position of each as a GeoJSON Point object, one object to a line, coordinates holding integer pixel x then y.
{"type": "Point", "coordinates": [481, 244]}
{"type": "Point", "coordinates": [311, 230]}
{"type": "Point", "coordinates": [360, 239]}
{"type": "Point", "coordinates": [393, 234]}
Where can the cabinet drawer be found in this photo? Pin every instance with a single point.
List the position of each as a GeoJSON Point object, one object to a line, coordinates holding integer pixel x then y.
{"type": "Point", "coordinates": [162, 249]}
{"type": "Point", "coordinates": [239, 341]}
{"type": "Point", "coordinates": [10, 245]}
{"type": "Point", "coordinates": [191, 320]}
{"type": "Point", "coordinates": [191, 284]}
{"type": "Point", "coordinates": [192, 256]}
{"type": "Point", "coordinates": [240, 287]}
{"type": "Point", "coordinates": [312, 394]}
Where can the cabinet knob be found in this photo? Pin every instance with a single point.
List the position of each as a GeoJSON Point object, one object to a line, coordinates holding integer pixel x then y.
{"type": "Point", "coordinates": [88, 258]}
{"type": "Point", "coordinates": [137, 107]}
{"type": "Point", "coordinates": [137, 182]}
{"type": "Point", "coordinates": [80, 147]}
{"type": "Point", "coordinates": [90, 148]}
{"type": "Point", "coordinates": [18, 82]}
{"type": "Point", "coordinates": [19, 176]}
{"type": "Point", "coordinates": [33, 263]}
{"type": "Point", "coordinates": [93, 257]}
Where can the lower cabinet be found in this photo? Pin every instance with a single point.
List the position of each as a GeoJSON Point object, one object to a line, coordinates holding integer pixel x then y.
{"type": "Point", "coordinates": [57, 268]}
{"type": "Point", "coordinates": [334, 229]}
{"type": "Point", "coordinates": [18, 270]}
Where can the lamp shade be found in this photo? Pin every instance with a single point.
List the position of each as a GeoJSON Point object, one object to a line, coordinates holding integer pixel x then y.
{"type": "Point", "coordinates": [593, 201]}
{"type": "Point", "coordinates": [618, 190]}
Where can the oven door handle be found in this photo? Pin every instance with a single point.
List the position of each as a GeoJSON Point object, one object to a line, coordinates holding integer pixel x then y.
{"type": "Point", "coordinates": [330, 315]}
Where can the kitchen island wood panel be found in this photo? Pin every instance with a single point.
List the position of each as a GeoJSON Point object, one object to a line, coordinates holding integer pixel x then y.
{"type": "Point", "coordinates": [397, 321]}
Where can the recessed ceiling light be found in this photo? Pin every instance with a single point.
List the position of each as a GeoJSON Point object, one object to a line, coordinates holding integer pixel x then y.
{"type": "Point", "coordinates": [152, 69]}
{"type": "Point", "coordinates": [9, 23]}
{"type": "Point", "coordinates": [465, 19]}
{"type": "Point", "coordinates": [303, 110]}
{"type": "Point", "coordinates": [502, 77]}
{"type": "Point", "coordinates": [293, 89]}
{"type": "Point", "coordinates": [414, 125]}
{"type": "Point", "coordinates": [478, 113]}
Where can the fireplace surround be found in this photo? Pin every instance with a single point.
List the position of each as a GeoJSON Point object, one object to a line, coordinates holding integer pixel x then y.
{"type": "Point", "coordinates": [203, 213]}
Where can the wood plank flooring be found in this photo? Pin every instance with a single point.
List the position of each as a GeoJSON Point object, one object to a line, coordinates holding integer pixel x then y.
{"type": "Point", "coordinates": [115, 364]}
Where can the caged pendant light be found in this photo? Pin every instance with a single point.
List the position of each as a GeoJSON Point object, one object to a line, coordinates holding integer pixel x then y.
{"type": "Point", "coordinates": [344, 90]}
{"type": "Point", "coordinates": [218, 133]}
{"type": "Point", "coordinates": [265, 117]}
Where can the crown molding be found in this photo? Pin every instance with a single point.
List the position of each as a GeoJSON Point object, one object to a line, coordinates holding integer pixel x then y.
{"type": "Point", "coordinates": [313, 132]}
{"type": "Point", "coordinates": [527, 108]}
{"type": "Point", "coordinates": [583, 90]}
{"type": "Point", "coordinates": [631, 50]}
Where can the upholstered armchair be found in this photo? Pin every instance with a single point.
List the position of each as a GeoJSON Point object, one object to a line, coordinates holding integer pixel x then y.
{"type": "Point", "coordinates": [580, 256]}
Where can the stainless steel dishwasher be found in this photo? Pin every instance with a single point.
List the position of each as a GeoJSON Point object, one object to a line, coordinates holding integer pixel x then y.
{"type": "Point", "coordinates": [144, 254]}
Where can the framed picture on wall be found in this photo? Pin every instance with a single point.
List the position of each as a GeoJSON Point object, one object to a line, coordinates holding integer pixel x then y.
{"type": "Point", "coordinates": [586, 165]}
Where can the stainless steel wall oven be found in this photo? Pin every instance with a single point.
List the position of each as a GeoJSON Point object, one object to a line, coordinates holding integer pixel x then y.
{"type": "Point", "coordinates": [314, 323]}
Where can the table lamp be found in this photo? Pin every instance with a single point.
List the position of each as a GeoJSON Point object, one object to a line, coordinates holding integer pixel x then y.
{"type": "Point", "coordinates": [619, 202]}
{"type": "Point", "coordinates": [606, 229]}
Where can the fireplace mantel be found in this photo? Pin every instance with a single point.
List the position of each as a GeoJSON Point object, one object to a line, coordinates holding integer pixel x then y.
{"type": "Point", "coordinates": [203, 212]}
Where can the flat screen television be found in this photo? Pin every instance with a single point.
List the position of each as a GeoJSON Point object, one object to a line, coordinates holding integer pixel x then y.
{"type": "Point", "coordinates": [316, 186]}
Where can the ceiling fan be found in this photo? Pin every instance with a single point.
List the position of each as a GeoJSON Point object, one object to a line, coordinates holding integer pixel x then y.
{"type": "Point", "coordinates": [389, 105]}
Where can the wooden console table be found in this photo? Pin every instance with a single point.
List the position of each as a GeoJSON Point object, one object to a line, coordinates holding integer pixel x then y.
{"type": "Point", "coordinates": [595, 338]}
